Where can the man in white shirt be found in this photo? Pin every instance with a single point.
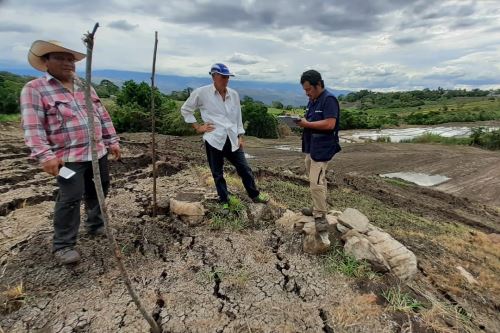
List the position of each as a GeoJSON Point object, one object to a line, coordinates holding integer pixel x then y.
{"type": "Point", "coordinates": [222, 130]}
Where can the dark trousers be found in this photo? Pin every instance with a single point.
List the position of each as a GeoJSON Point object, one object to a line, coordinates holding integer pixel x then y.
{"type": "Point", "coordinates": [237, 158]}
{"type": "Point", "coordinates": [69, 196]}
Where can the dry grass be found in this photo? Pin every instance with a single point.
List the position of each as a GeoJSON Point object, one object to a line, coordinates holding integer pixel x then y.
{"type": "Point", "coordinates": [12, 298]}
{"type": "Point", "coordinates": [362, 309]}
{"type": "Point", "coordinates": [444, 317]}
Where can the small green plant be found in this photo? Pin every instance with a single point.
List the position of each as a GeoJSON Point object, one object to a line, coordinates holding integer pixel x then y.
{"type": "Point", "coordinates": [336, 260]}
{"type": "Point", "coordinates": [401, 301]}
{"type": "Point", "coordinates": [211, 275]}
{"type": "Point", "coordinates": [228, 216]}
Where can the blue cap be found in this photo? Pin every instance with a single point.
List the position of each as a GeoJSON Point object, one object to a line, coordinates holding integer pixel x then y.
{"type": "Point", "coordinates": [220, 69]}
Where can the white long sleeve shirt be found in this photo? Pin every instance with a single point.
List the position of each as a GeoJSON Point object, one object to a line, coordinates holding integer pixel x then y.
{"type": "Point", "coordinates": [225, 115]}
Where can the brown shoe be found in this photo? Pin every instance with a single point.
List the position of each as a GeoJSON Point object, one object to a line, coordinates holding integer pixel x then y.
{"type": "Point", "coordinates": [321, 224]}
{"type": "Point", "coordinates": [67, 256]}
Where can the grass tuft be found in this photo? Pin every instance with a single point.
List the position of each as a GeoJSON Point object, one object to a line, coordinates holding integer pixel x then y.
{"type": "Point", "coordinates": [401, 301]}
{"type": "Point", "coordinates": [337, 261]}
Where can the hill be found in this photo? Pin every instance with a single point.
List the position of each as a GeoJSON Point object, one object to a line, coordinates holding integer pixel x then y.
{"type": "Point", "coordinates": [267, 92]}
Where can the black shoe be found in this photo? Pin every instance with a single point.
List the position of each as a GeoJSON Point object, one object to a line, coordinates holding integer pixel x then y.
{"type": "Point", "coordinates": [307, 211]}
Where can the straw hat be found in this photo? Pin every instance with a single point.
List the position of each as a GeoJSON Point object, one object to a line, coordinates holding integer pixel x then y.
{"type": "Point", "coordinates": [39, 48]}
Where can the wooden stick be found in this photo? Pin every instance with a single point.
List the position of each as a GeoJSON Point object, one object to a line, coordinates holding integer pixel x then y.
{"type": "Point", "coordinates": [89, 42]}
{"type": "Point", "coordinates": [153, 120]}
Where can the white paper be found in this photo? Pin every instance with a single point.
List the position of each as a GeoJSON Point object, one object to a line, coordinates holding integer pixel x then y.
{"type": "Point", "coordinates": [289, 120]}
{"type": "Point", "coordinates": [66, 172]}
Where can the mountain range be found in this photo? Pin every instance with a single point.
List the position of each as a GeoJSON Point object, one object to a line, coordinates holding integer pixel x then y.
{"type": "Point", "coordinates": [267, 92]}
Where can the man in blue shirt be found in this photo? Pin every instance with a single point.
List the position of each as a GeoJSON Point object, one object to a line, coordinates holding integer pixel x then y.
{"type": "Point", "coordinates": [320, 141]}
{"type": "Point", "coordinates": [222, 131]}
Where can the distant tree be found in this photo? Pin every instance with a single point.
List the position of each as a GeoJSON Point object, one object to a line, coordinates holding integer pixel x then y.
{"type": "Point", "coordinates": [106, 89]}
{"type": "Point", "coordinates": [138, 94]}
{"type": "Point", "coordinates": [277, 105]}
{"type": "Point", "coordinates": [10, 89]}
{"type": "Point", "coordinates": [258, 121]}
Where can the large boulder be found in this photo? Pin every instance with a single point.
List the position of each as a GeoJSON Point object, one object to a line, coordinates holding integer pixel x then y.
{"type": "Point", "coordinates": [368, 242]}
{"type": "Point", "coordinates": [188, 207]}
{"type": "Point", "coordinates": [358, 246]}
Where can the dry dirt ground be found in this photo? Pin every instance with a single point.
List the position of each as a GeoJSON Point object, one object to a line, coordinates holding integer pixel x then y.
{"type": "Point", "coordinates": [197, 279]}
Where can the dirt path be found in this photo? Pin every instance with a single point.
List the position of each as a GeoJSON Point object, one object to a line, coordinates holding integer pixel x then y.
{"type": "Point", "coordinates": [195, 279]}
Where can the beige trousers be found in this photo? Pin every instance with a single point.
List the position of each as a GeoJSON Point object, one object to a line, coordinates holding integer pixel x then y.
{"type": "Point", "coordinates": [317, 183]}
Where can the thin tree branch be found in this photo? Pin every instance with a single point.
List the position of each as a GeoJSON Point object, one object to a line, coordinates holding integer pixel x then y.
{"type": "Point", "coordinates": [89, 42]}
{"type": "Point", "coordinates": [153, 120]}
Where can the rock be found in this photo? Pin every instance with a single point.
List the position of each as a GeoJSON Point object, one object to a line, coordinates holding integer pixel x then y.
{"type": "Point", "coordinates": [335, 213]}
{"type": "Point", "coordinates": [191, 212]}
{"type": "Point", "coordinates": [331, 219]}
{"type": "Point", "coordinates": [468, 276]}
{"type": "Point", "coordinates": [360, 248]}
{"type": "Point", "coordinates": [309, 227]}
{"type": "Point", "coordinates": [260, 212]}
{"type": "Point", "coordinates": [342, 229]}
{"type": "Point", "coordinates": [288, 220]}
{"type": "Point", "coordinates": [403, 262]}
{"type": "Point", "coordinates": [314, 244]}
{"type": "Point", "coordinates": [353, 219]}
{"type": "Point", "coordinates": [494, 238]}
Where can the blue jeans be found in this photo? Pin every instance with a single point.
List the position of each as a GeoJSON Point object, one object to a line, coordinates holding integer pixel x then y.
{"type": "Point", "coordinates": [237, 158]}
{"type": "Point", "coordinates": [70, 193]}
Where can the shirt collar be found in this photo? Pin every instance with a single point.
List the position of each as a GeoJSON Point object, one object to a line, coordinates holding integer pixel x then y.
{"type": "Point", "coordinates": [77, 84]}
{"type": "Point", "coordinates": [215, 92]}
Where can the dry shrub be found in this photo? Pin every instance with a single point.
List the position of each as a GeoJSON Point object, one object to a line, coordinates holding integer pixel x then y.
{"type": "Point", "coordinates": [284, 131]}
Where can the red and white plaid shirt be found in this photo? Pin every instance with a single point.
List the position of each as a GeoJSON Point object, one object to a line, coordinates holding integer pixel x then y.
{"type": "Point", "coordinates": [55, 121]}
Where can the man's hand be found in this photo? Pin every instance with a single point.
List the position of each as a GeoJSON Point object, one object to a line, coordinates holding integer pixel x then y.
{"type": "Point", "coordinates": [52, 166]}
{"type": "Point", "coordinates": [241, 143]}
{"type": "Point", "coordinates": [116, 152]}
{"type": "Point", "coordinates": [302, 122]}
{"type": "Point", "coordinates": [207, 127]}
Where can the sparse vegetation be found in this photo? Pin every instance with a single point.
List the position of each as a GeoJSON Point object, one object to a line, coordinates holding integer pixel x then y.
{"type": "Point", "coordinates": [12, 298]}
{"type": "Point", "coordinates": [337, 261]}
{"type": "Point", "coordinates": [210, 276]}
{"type": "Point", "coordinates": [479, 137]}
{"type": "Point", "coordinates": [10, 117]}
{"type": "Point", "coordinates": [401, 301]}
{"type": "Point", "coordinates": [228, 218]}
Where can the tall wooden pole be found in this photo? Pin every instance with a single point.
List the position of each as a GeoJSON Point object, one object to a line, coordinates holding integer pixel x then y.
{"type": "Point", "coordinates": [153, 120]}
{"type": "Point", "coordinates": [89, 42]}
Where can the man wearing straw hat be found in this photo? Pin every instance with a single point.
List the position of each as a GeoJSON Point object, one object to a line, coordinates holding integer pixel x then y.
{"type": "Point", "coordinates": [54, 119]}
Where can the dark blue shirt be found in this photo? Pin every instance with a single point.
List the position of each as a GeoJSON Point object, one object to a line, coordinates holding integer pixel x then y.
{"type": "Point", "coordinates": [324, 107]}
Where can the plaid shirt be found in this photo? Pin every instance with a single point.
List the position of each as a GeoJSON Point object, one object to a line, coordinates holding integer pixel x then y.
{"type": "Point", "coordinates": [55, 121]}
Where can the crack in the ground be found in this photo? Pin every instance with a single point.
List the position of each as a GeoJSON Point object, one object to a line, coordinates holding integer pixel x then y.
{"type": "Point", "coordinates": [160, 305]}
{"type": "Point", "coordinates": [282, 265]}
{"type": "Point", "coordinates": [324, 318]}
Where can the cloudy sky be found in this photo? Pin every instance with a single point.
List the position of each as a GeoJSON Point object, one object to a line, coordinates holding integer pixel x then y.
{"type": "Point", "coordinates": [355, 44]}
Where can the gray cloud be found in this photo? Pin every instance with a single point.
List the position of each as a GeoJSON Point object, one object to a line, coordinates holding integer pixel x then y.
{"type": "Point", "coordinates": [402, 40]}
{"type": "Point", "coordinates": [122, 25]}
{"type": "Point", "coordinates": [346, 16]}
{"type": "Point", "coordinates": [15, 27]}
{"type": "Point", "coordinates": [243, 72]}
{"type": "Point", "coordinates": [244, 59]}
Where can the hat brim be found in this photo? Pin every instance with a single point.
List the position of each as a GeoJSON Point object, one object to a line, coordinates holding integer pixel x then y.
{"type": "Point", "coordinates": [211, 73]}
{"type": "Point", "coordinates": [40, 48]}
